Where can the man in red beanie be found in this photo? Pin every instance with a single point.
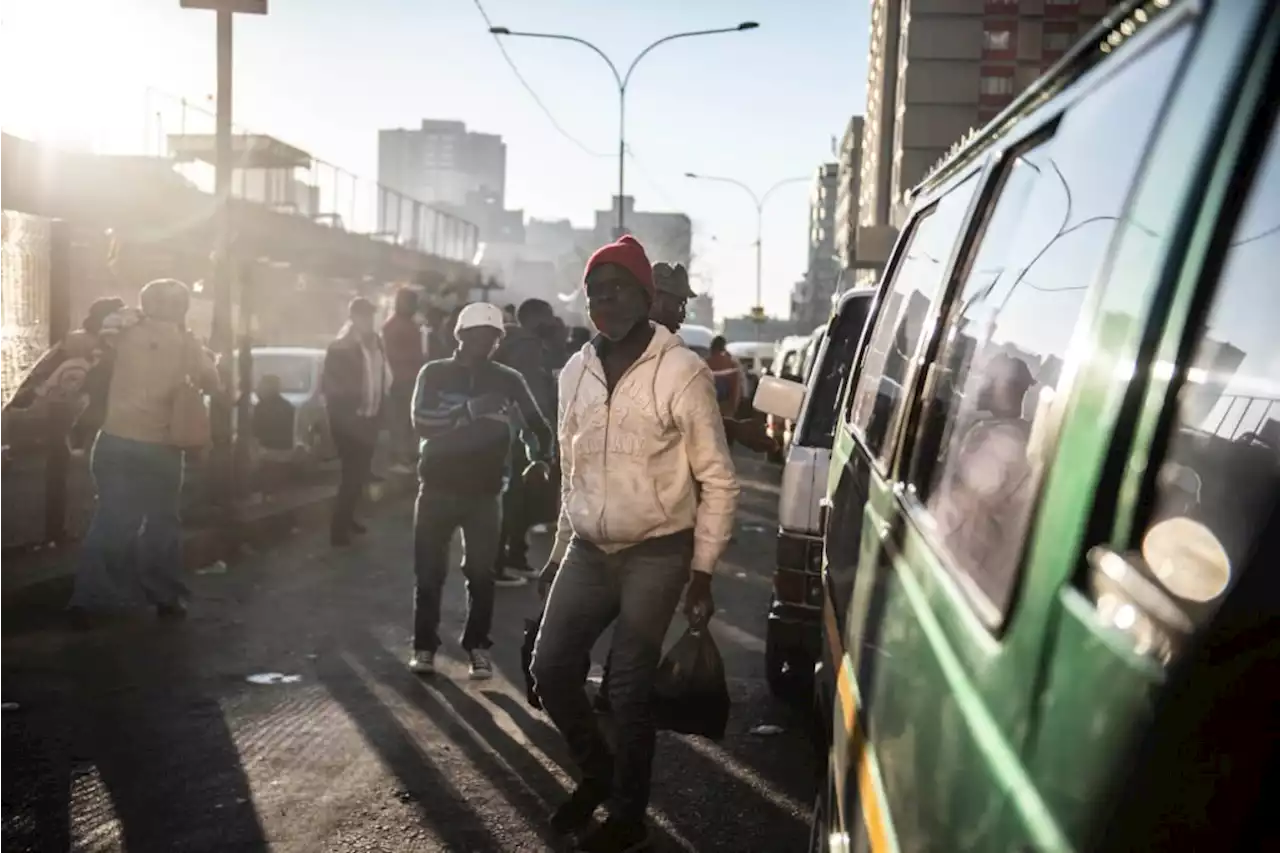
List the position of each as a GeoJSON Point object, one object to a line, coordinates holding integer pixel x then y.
{"type": "Point", "coordinates": [648, 496]}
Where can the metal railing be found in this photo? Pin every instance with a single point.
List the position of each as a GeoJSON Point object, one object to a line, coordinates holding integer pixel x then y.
{"type": "Point", "coordinates": [316, 189]}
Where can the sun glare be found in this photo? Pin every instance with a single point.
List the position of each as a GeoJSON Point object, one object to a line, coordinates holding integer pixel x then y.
{"type": "Point", "coordinates": [69, 74]}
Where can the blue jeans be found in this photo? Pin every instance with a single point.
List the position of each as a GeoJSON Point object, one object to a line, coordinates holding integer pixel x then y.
{"type": "Point", "coordinates": [133, 550]}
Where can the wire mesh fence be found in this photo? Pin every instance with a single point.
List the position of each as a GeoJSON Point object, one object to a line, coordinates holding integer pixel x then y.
{"type": "Point", "coordinates": [24, 295]}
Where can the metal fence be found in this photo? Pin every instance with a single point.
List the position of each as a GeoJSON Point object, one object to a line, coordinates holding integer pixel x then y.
{"type": "Point", "coordinates": [45, 494]}
{"type": "Point", "coordinates": [314, 188]}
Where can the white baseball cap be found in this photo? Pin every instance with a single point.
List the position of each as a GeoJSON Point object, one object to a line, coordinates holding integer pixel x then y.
{"type": "Point", "coordinates": [480, 314]}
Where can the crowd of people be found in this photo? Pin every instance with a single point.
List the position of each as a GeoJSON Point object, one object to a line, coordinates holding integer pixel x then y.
{"type": "Point", "coordinates": [495, 408]}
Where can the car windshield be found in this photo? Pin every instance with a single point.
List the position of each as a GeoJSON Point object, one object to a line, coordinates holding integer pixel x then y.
{"type": "Point", "coordinates": [294, 371]}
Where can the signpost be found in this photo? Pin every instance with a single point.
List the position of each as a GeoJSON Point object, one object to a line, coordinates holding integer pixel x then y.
{"type": "Point", "coordinates": [220, 336]}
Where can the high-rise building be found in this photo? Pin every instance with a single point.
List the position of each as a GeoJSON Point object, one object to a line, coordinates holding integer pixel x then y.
{"type": "Point", "coordinates": [445, 165]}
{"type": "Point", "coordinates": [937, 68]}
{"type": "Point", "coordinates": [811, 299]}
{"type": "Point", "coordinates": [665, 236]}
{"type": "Point", "coordinates": [848, 191]}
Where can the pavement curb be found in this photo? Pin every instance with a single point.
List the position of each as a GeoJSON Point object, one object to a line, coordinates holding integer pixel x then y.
{"type": "Point", "coordinates": [31, 580]}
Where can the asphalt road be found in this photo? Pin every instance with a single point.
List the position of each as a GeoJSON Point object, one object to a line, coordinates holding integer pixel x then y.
{"type": "Point", "coordinates": [149, 737]}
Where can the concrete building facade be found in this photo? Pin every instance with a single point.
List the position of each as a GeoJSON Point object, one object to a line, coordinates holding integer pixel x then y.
{"type": "Point", "coordinates": [447, 166]}
{"type": "Point", "coordinates": [811, 298]}
{"type": "Point", "coordinates": [848, 194]}
{"type": "Point", "coordinates": [937, 68]}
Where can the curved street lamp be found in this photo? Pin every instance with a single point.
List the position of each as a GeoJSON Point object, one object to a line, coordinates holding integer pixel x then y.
{"type": "Point", "coordinates": [759, 201]}
{"type": "Point", "coordinates": [623, 80]}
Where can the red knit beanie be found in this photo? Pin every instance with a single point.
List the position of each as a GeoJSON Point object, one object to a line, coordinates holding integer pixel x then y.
{"type": "Point", "coordinates": [627, 253]}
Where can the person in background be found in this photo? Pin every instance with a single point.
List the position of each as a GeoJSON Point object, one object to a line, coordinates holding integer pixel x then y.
{"type": "Point", "coordinates": [579, 337]}
{"type": "Point", "coordinates": [439, 341]}
{"type": "Point", "coordinates": [137, 470]}
{"type": "Point", "coordinates": [465, 410]}
{"type": "Point", "coordinates": [728, 377]}
{"type": "Point", "coordinates": [672, 295]}
{"type": "Point", "coordinates": [402, 342]}
{"type": "Point", "coordinates": [523, 350]}
{"type": "Point", "coordinates": [66, 388]}
{"type": "Point", "coordinates": [273, 431]}
{"type": "Point", "coordinates": [647, 505]}
{"type": "Point", "coordinates": [354, 381]}
{"type": "Point", "coordinates": [555, 340]}
{"type": "Point", "coordinates": [509, 314]}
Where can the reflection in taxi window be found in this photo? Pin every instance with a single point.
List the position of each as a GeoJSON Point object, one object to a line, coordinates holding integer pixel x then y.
{"type": "Point", "coordinates": [983, 439]}
{"type": "Point", "coordinates": [1222, 469]}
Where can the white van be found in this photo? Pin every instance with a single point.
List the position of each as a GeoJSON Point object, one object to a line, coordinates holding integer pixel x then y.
{"type": "Point", "coordinates": [794, 629]}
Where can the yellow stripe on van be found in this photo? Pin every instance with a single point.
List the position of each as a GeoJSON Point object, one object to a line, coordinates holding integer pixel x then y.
{"type": "Point", "coordinates": [857, 750]}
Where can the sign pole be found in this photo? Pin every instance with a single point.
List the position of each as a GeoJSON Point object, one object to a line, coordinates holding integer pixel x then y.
{"type": "Point", "coordinates": [221, 338]}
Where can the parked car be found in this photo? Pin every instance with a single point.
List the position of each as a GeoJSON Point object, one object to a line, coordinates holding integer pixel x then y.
{"type": "Point", "coordinates": [299, 369]}
{"type": "Point", "coordinates": [1040, 633]}
{"type": "Point", "coordinates": [789, 363]}
{"type": "Point", "coordinates": [795, 610]}
{"type": "Point", "coordinates": [755, 357]}
{"type": "Point", "coordinates": [697, 338]}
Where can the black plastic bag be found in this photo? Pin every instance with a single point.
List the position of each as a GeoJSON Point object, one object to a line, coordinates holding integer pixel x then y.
{"type": "Point", "coordinates": [690, 694]}
{"type": "Point", "coordinates": [526, 661]}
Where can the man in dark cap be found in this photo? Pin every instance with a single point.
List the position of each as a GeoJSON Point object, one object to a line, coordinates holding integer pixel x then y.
{"type": "Point", "coordinates": [648, 495]}
{"type": "Point", "coordinates": [671, 296]}
{"type": "Point", "coordinates": [355, 381]}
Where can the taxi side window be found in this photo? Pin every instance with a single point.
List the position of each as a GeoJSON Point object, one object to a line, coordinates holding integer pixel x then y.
{"type": "Point", "coordinates": [985, 436]}
{"type": "Point", "coordinates": [877, 402]}
{"type": "Point", "coordinates": [1221, 472]}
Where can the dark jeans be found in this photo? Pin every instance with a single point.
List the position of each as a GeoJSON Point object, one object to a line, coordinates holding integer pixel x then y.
{"type": "Point", "coordinates": [354, 442]}
{"type": "Point", "coordinates": [134, 543]}
{"type": "Point", "coordinates": [514, 549]}
{"type": "Point", "coordinates": [436, 515]}
{"type": "Point", "coordinates": [404, 444]}
{"type": "Point", "coordinates": [640, 590]}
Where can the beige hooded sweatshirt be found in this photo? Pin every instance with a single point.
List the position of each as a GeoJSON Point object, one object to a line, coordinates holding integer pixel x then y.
{"type": "Point", "coordinates": [648, 462]}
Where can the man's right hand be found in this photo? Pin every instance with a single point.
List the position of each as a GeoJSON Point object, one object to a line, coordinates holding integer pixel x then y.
{"type": "Point", "coordinates": [545, 577]}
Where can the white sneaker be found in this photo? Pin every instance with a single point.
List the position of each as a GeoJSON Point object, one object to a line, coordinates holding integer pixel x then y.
{"type": "Point", "coordinates": [402, 468]}
{"type": "Point", "coordinates": [423, 663]}
{"type": "Point", "coordinates": [541, 529]}
{"type": "Point", "coordinates": [481, 665]}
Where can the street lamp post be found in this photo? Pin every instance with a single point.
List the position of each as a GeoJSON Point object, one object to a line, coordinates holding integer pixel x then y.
{"type": "Point", "coordinates": [759, 201]}
{"type": "Point", "coordinates": [623, 80]}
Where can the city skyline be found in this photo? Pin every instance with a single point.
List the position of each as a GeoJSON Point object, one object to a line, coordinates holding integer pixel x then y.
{"type": "Point", "coordinates": [325, 79]}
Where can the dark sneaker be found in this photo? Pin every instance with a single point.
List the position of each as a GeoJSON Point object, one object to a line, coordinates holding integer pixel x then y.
{"type": "Point", "coordinates": [616, 836]}
{"type": "Point", "coordinates": [575, 813]}
{"type": "Point", "coordinates": [524, 570]}
{"type": "Point", "coordinates": [481, 668]}
{"type": "Point", "coordinates": [175, 612]}
{"type": "Point", "coordinates": [505, 579]}
{"type": "Point", "coordinates": [358, 529]}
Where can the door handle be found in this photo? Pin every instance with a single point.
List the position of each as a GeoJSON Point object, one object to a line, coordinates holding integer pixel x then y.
{"type": "Point", "coordinates": [1127, 600]}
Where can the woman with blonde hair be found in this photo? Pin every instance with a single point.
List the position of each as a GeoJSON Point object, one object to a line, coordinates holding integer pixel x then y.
{"type": "Point", "coordinates": [137, 463]}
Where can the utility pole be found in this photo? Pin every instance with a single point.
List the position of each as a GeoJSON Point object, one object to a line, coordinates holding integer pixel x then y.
{"type": "Point", "coordinates": [221, 336]}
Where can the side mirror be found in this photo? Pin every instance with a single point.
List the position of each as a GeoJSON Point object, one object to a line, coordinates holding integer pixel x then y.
{"type": "Point", "coordinates": [781, 398]}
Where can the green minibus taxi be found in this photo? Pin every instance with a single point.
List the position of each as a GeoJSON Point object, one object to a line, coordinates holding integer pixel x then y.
{"type": "Point", "coordinates": [1050, 567]}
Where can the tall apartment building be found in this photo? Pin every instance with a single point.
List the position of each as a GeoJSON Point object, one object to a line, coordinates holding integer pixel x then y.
{"type": "Point", "coordinates": [443, 164]}
{"type": "Point", "coordinates": [937, 68]}
{"type": "Point", "coordinates": [848, 193]}
{"type": "Point", "coordinates": [811, 298]}
{"type": "Point", "coordinates": [665, 236]}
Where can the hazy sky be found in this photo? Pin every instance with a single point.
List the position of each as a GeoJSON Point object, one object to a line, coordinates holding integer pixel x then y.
{"type": "Point", "coordinates": [324, 75]}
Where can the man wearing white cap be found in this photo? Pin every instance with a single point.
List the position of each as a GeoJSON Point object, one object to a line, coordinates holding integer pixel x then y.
{"type": "Point", "coordinates": [465, 410]}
